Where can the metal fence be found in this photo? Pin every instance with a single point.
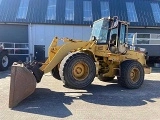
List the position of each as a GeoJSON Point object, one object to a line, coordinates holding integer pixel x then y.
{"type": "Point", "coordinates": [144, 38]}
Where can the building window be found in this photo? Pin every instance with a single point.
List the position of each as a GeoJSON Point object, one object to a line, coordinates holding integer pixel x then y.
{"type": "Point", "coordinates": [23, 9]}
{"type": "Point", "coordinates": [156, 12]}
{"type": "Point", "coordinates": [87, 11]}
{"type": "Point", "coordinates": [131, 11]}
{"type": "Point", "coordinates": [105, 9]}
{"type": "Point", "coordinates": [69, 15]}
{"type": "Point", "coordinates": [51, 10]}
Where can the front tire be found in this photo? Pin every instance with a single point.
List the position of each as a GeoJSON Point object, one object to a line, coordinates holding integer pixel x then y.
{"type": "Point", "coordinates": [77, 70]}
{"type": "Point", "coordinates": [4, 61]}
{"type": "Point", "coordinates": [132, 74]}
{"type": "Point", "coordinates": [55, 73]}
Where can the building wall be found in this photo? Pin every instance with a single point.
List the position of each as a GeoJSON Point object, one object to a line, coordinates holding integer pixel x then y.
{"type": "Point", "coordinates": [43, 34]}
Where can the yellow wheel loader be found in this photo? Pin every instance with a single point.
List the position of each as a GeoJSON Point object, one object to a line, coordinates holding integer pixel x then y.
{"type": "Point", "coordinates": [78, 62]}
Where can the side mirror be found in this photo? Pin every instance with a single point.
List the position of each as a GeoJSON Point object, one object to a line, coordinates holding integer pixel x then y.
{"type": "Point", "coordinates": [91, 26]}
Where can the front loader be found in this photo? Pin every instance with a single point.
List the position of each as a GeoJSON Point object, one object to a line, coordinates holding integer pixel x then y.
{"type": "Point", "coordinates": [106, 55]}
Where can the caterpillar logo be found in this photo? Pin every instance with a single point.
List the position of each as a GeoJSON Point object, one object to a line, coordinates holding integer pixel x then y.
{"type": "Point", "coordinates": [100, 47]}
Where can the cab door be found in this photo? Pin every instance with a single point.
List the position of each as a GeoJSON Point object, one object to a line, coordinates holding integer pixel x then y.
{"type": "Point", "coordinates": [122, 45]}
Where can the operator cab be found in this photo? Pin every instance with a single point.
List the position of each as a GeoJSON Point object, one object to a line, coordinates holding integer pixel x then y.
{"type": "Point", "coordinates": [112, 32]}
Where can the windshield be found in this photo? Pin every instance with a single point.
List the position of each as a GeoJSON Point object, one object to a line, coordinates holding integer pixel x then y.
{"type": "Point", "coordinates": [100, 30]}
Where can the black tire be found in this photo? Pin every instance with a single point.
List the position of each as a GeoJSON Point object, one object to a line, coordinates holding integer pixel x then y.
{"type": "Point", "coordinates": [105, 79]}
{"type": "Point", "coordinates": [77, 70]}
{"type": "Point", "coordinates": [55, 73]}
{"type": "Point", "coordinates": [4, 61]}
{"type": "Point", "coordinates": [131, 75]}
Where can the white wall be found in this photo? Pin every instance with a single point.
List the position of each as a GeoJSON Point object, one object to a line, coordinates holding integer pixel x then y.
{"type": "Point", "coordinates": [43, 34]}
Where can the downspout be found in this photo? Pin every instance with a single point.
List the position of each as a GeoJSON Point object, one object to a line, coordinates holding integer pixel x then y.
{"type": "Point", "coordinates": [31, 52]}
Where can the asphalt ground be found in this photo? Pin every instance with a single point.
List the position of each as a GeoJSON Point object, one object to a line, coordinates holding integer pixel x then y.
{"type": "Point", "coordinates": [100, 101]}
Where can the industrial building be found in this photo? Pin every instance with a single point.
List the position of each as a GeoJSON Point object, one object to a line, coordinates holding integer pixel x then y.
{"type": "Point", "coordinates": [27, 27]}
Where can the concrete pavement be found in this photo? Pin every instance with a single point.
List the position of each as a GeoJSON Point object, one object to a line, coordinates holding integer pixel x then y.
{"type": "Point", "coordinates": [100, 101]}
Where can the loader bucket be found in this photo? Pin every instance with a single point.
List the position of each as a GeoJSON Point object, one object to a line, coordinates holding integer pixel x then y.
{"type": "Point", "coordinates": [22, 84]}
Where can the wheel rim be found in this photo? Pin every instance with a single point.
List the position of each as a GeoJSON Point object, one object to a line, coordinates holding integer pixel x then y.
{"type": "Point", "coordinates": [5, 61]}
{"type": "Point", "coordinates": [80, 71]}
{"type": "Point", "coordinates": [135, 74]}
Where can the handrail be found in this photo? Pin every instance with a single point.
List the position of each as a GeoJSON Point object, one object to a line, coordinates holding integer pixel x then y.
{"type": "Point", "coordinates": [16, 48]}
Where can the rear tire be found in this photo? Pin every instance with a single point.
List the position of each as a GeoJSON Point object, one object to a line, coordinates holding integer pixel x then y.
{"type": "Point", "coordinates": [132, 74]}
{"type": "Point", "coordinates": [55, 73]}
{"type": "Point", "coordinates": [4, 61]}
{"type": "Point", "coordinates": [77, 70]}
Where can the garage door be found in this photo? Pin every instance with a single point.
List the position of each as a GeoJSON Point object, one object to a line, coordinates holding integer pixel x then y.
{"type": "Point", "coordinates": [14, 33]}
{"type": "Point", "coordinates": [15, 40]}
